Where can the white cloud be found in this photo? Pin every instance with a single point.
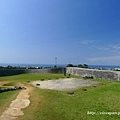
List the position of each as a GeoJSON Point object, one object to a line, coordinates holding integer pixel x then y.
{"type": "Point", "coordinates": [103, 48]}
{"type": "Point", "coordinates": [116, 47]}
{"type": "Point", "coordinates": [85, 42]}
{"type": "Point", "coordinates": [104, 59]}
{"type": "Point", "coordinates": [110, 54]}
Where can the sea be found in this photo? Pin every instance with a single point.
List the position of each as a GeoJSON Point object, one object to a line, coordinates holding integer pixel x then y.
{"type": "Point", "coordinates": [104, 66]}
{"type": "Point", "coordinates": [60, 65]}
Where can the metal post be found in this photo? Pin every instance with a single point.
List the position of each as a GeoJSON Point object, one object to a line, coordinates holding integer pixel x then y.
{"type": "Point", "coordinates": [56, 61]}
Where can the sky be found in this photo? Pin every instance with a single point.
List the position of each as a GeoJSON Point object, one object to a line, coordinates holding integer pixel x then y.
{"type": "Point", "coordinates": [74, 31]}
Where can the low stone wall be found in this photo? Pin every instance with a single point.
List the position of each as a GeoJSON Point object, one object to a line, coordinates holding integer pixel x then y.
{"type": "Point", "coordinates": [43, 71]}
{"type": "Point", "coordinates": [7, 72]}
{"type": "Point", "coordinates": [37, 71]}
{"type": "Point", "coordinates": [103, 74]}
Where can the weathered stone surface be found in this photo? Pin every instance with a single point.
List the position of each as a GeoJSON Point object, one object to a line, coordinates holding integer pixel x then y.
{"type": "Point", "coordinates": [103, 74]}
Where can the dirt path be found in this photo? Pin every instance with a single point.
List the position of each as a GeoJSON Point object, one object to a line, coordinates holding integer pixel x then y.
{"type": "Point", "coordinates": [14, 110]}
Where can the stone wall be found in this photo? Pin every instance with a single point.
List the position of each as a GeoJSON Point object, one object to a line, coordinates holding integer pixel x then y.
{"type": "Point", "coordinates": [7, 72]}
{"type": "Point", "coordinates": [103, 74]}
{"type": "Point", "coordinates": [43, 71]}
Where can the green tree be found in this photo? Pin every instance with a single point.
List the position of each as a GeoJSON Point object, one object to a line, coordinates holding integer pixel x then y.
{"type": "Point", "coordinates": [80, 66]}
{"type": "Point", "coordinates": [85, 66]}
{"type": "Point", "coordinates": [70, 65]}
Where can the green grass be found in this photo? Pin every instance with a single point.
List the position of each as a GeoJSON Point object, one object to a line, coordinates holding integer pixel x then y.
{"type": "Point", "coordinates": [6, 98]}
{"type": "Point", "coordinates": [30, 77]}
{"type": "Point", "coordinates": [9, 84]}
{"type": "Point", "coordinates": [55, 105]}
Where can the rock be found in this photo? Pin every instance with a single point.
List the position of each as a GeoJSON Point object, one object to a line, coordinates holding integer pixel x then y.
{"type": "Point", "coordinates": [1, 91]}
{"type": "Point", "coordinates": [10, 89]}
{"type": "Point", "coordinates": [84, 89]}
{"type": "Point", "coordinates": [71, 92]}
{"type": "Point", "coordinates": [101, 84]}
{"type": "Point", "coordinates": [37, 84]}
{"type": "Point", "coordinates": [42, 79]}
{"type": "Point", "coordinates": [87, 77]}
{"type": "Point", "coordinates": [17, 87]}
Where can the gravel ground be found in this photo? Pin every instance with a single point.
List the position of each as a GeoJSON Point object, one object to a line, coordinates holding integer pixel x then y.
{"type": "Point", "coordinates": [63, 84]}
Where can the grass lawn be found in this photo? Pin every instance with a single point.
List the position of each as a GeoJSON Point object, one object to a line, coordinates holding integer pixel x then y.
{"type": "Point", "coordinates": [30, 77]}
{"type": "Point", "coordinates": [6, 98]}
{"type": "Point", "coordinates": [101, 101]}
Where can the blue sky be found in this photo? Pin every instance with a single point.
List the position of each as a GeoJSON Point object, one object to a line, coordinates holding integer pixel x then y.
{"type": "Point", "coordinates": [74, 31]}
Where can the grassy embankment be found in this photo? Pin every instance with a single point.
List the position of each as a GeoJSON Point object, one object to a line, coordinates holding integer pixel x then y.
{"type": "Point", "coordinates": [55, 105]}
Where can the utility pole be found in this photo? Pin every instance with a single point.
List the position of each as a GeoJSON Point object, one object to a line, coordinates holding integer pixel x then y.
{"type": "Point", "coordinates": [56, 61]}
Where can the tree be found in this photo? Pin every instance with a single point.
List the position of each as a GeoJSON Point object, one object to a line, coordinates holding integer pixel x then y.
{"type": "Point", "coordinates": [70, 65]}
{"type": "Point", "coordinates": [85, 66]}
{"type": "Point", "coordinates": [55, 66]}
{"type": "Point", "coordinates": [80, 66]}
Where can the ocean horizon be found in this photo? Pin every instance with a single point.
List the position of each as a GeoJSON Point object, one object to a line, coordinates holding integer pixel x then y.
{"type": "Point", "coordinates": [58, 65]}
{"type": "Point", "coordinates": [104, 66]}
{"type": "Point", "coordinates": [31, 65]}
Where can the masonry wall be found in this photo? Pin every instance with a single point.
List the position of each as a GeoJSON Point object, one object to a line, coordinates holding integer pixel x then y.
{"type": "Point", "coordinates": [6, 72]}
{"type": "Point", "coordinates": [103, 74]}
